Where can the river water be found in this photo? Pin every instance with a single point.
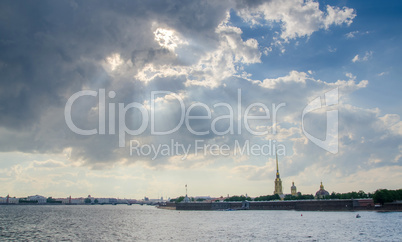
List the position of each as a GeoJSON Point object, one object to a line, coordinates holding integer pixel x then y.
{"type": "Point", "coordinates": [147, 223]}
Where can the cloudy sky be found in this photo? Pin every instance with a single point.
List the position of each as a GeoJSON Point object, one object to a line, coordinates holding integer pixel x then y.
{"type": "Point", "coordinates": [200, 72]}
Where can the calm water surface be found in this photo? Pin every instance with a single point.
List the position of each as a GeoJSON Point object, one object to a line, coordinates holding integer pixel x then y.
{"type": "Point", "coordinates": [128, 223]}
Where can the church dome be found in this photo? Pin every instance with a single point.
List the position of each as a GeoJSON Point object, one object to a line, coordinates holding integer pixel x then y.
{"type": "Point", "coordinates": [322, 192]}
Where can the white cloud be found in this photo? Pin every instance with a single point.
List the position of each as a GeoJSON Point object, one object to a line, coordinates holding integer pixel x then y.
{"type": "Point", "coordinates": [356, 33]}
{"type": "Point", "coordinates": [114, 61]}
{"type": "Point", "coordinates": [267, 50]}
{"type": "Point", "coordinates": [294, 76]}
{"type": "Point", "coordinates": [253, 172]}
{"type": "Point", "coordinates": [338, 16]}
{"type": "Point", "coordinates": [391, 122]}
{"type": "Point", "coordinates": [355, 59]}
{"type": "Point", "coordinates": [352, 34]}
{"type": "Point", "coordinates": [297, 18]}
{"type": "Point", "coordinates": [366, 57]}
{"type": "Point", "coordinates": [49, 164]}
{"type": "Point", "coordinates": [351, 76]}
{"type": "Point", "coordinates": [332, 49]}
{"type": "Point", "coordinates": [299, 79]}
{"type": "Point", "coordinates": [213, 66]}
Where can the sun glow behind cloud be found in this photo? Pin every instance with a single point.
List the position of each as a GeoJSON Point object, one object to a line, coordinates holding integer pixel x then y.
{"type": "Point", "coordinates": [114, 61]}
{"type": "Point", "coordinates": [168, 39]}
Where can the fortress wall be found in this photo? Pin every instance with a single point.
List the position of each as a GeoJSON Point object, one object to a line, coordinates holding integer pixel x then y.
{"type": "Point", "coordinates": [193, 206]}
{"type": "Point", "coordinates": [301, 205]}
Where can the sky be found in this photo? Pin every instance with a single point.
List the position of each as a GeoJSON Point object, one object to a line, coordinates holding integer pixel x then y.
{"type": "Point", "coordinates": [139, 98]}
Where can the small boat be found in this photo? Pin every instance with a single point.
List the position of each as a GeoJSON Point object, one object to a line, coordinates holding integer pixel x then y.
{"type": "Point", "coordinates": [358, 216]}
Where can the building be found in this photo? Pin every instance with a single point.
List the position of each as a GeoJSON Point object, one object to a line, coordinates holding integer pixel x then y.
{"type": "Point", "coordinates": [77, 200]}
{"type": "Point", "coordinates": [186, 198]}
{"type": "Point", "coordinates": [321, 193]}
{"type": "Point", "coordinates": [103, 200]}
{"type": "Point", "coordinates": [66, 200]}
{"type": "Point", "coordinates": [278, 181]}
{"type": "Point", "coordinates": [40, 199]}
{"type": "Point", "coordinates": [8, 200]}
{"type": "Point", "coordinates": [293, 190]}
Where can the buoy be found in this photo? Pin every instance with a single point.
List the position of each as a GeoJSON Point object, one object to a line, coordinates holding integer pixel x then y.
{"type": "Point", "coordinates": [301, 215]}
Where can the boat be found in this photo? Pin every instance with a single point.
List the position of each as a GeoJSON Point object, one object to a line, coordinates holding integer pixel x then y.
{"type": "Point", "coordinates": [358, 216]}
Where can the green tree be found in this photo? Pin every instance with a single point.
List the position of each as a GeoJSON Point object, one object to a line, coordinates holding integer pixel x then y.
{"type": "Point", "coordinates": [267, 198]}
{"type": "Point", "coordinates": [177, 200]}
{"type": "Point", "coordinates": [383, 196]}
{"type": "Point", "coordinates": [306, 197]}
{"type": "Point", "coordinates": [290, 197]}
{"type": "Point", "coordinates": [237, 199]}
{"type": "Point", "coordinates": [334, 195]}
{"type": "Point", "coordinates": [398, 194]}
{"type": "Point", "coordinates": [87, 200]}
{"type": "Point", "coordinates": [361, 194]}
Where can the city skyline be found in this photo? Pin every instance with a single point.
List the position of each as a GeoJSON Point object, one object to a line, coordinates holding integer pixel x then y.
{"type": "Point", "coordinates": [278, 189]}
{"type": "Point", "coordinates": [133, 99]}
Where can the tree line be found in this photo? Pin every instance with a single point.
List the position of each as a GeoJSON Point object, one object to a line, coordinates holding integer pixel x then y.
{"type": "Point", "coordinates": [349, 195]}
{"type": "Point", "coordinates": [379, 196]}
{"type": "Point", "coordinates": [385, 196]}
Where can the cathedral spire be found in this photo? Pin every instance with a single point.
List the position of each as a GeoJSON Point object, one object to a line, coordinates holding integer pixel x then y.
{"type": "Point", "coordinates": [277, 167]}
{"type": "Point", "coordinates": [278, 182]}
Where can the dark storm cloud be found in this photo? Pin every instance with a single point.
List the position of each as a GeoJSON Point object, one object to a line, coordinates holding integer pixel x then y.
{"type": "Point", "coordinates": [52, 49]}
{"type": "Point", "coordinates": [49, 48]}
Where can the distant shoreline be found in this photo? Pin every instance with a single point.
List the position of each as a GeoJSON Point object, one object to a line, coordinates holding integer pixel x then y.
{"type": "Point", "coordinates": [68, 204]}
{"type": "Point", "coordinates": [296, 205]}
{"type": "Point", "coordinates": [344, 205]}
